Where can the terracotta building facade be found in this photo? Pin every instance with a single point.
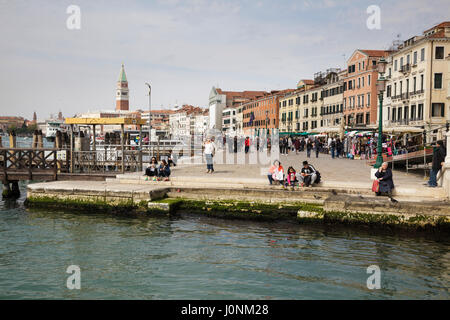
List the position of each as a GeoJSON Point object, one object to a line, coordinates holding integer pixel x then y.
{"type": "Point", "coordinates": [360, 92]}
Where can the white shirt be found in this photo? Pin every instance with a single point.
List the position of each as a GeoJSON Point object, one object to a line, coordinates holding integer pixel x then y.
{"type": "Point", "coordinates": [209, 148]}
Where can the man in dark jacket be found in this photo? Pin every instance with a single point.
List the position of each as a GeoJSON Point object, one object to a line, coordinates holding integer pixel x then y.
{"type": "Point", "coordinates": [308, 175]}
{"type": "Point", "coordinates": [439, 154]}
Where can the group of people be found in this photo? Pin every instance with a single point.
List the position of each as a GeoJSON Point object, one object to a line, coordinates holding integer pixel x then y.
{"type": "Point", "coordinates": [306, 177]}
{"type": "Point", "coordinates": [158, 172]}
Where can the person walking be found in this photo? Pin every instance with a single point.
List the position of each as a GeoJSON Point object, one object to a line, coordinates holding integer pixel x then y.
{"type": "Point", "coordinates": [247, 144]}
{"type": "Point", "coordinates": [297, 145]}
{"type": "Point", "coordinates": [439, 154]}
{"type": "Point", "coordinates": [309, 146]}
{"type": "Point", "coordinates": [333, 147]}
{"type": "Point", "coordinates": [317, 145]}
{"type": "Point", "coordinates": [339, 147]}
{"type": "Point", "coordinates": [209, 154]}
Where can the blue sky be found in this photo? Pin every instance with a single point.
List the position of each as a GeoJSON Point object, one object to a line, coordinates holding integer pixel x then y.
{"type": "Point", "coordinates": [183, 47]}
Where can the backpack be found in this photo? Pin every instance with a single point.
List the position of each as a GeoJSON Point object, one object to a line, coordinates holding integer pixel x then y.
{"type": "Point", "coordinates": [318, 177]}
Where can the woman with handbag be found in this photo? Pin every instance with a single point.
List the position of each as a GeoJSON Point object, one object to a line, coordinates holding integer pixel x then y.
{"type": "Point", "coordinates": [385, 181]}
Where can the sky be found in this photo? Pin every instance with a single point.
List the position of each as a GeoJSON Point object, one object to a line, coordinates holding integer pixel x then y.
{"type": "Point", "coordinates": [183, 47]}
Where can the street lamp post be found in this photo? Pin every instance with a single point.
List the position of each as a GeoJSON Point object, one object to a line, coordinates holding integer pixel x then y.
{"type": "Point", "coordinates": [381, 85]}
{"type": "Point", "coordinates": [149, 118]}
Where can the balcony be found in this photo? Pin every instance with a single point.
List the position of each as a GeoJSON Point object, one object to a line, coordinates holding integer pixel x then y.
{"type": "Point", "coordinates": [405, 96]}
{"type": "Point", "coordinates": [405, 68]}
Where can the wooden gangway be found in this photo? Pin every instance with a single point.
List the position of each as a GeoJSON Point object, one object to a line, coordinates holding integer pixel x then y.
{"type": "Point", "coordinates": [408, 158]}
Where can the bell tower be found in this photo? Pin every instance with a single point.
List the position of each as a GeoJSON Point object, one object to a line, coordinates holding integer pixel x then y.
{"type": "Point", "coordinates": [122, 92]}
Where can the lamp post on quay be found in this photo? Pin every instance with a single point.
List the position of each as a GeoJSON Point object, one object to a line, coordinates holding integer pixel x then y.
{"type": "Point", "coordinates": [149, 118]}
{"type": "Point", "coordinates": [381, 86]}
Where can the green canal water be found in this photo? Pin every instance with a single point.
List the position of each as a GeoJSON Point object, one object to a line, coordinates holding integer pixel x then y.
{"type": "Point", "coordinates": [194, 257]}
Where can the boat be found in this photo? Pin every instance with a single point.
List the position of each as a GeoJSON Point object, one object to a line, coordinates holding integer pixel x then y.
{"type": "Point", "coordinates": [54, 126]}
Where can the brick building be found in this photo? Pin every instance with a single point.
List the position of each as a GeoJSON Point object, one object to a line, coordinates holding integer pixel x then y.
{"type": "Point", "coordinates": [360, 92]}
{"type": "Point", "coordinates": [262, 113]}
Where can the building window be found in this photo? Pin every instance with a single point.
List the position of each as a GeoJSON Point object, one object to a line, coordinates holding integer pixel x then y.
{"type": "Point", "coordinates": [368, 79]}
{"type": "Point", "coordinates": [421, 82]}
{"type": "Point", "coordinates": [415, 57]}
{"type": "Point", "coordinates": [367, 118]}
{"type": "Point", "coordinates": [438, 80]}
{"type": "Point", "coordinates": [413, 112]}
{"type": "Point", "coordinates": [420, 111]}
{"type": "Point", "coordinates": [439, 53]}
{"type": "Point", "coordinates": [393, 114]}
{"type": "Point", "coordinates": [401, 62]}
{"type": "Point", "coordinates": [422, 54]}
{"type": "Point", "coordinates": [395, 65]}
{"type": "Point", "coordinates": [437, 110]}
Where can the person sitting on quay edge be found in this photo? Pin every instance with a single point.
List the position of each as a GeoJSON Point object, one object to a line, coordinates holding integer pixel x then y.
{"type": "Point", "coordinates": [386, 183]}
{"type": "Point", "coordinates": [291, 177]}
{"type": "Point", "coordinates": [164, 170]}
{"type": "Point", "coordinates": [308, 175]}
{"type": "Point", "coordinates": [152, 170]}
{"type": "Point", "coordinates": [439, 154]}
{"type": "Point", "coordinates": [276, 173]}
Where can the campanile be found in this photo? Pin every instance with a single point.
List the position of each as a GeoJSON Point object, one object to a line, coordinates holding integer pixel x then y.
{"type": "Point", "coordinates": [122, 92]}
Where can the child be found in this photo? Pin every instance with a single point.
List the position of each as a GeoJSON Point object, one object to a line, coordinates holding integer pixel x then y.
{"type": "Point", "coordinates": [164, 170]}
{"type": "Point", "coordinates": [291, 178]}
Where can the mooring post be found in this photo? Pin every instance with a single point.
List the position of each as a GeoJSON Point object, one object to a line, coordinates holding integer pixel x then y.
{"type": "Point", "coordinates": [15, 191]}
{"type": "Point", "coordinates": [58, 146]}
{"type": "Point", "coordinates": [6, 189]}
{"type": "Point", "coordinates": [35, 139]}
{"type": "Point", "coordinates": [1, 146]}
{"type": "Point", "coordinates": [40, 143]}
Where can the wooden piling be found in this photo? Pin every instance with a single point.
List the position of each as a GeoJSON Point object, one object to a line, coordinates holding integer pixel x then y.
{"type": "Point", "coordinates": [34, 144]}
{"type": "Point", "coordinates": [12, 140]}
{"type": "Point", "coordinates": [40, 141]}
